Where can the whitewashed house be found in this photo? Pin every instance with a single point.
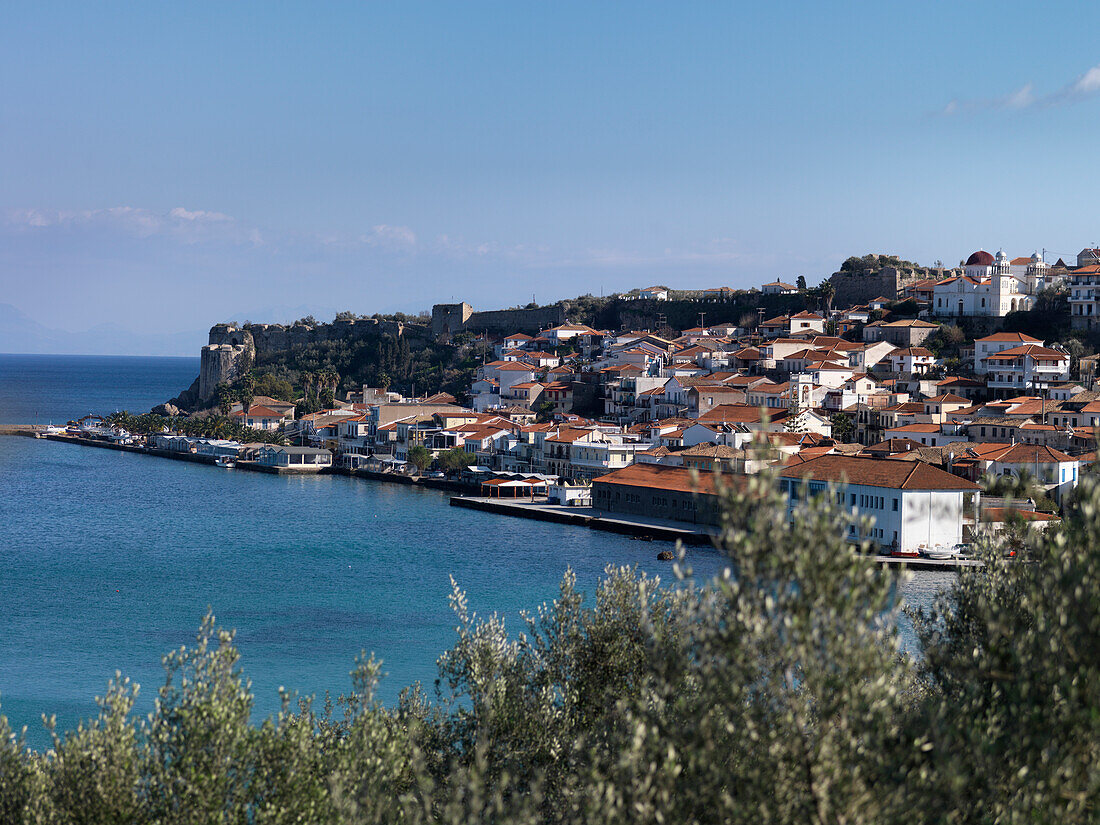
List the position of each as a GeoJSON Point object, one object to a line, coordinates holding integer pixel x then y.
{"type": "Point", "coordinates": [913, 504]}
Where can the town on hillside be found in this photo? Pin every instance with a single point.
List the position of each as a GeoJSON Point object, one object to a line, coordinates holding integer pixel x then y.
{"type": "Point", "coordinates": [933, 394]}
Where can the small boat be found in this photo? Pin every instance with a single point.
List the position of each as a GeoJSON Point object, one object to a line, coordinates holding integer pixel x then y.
{"type": "Point", "coordinates": [225, 461]}
{"type": "Point", "coordinates": [898, 553]}
{"type": "Point", "coordinates": [942, 553]}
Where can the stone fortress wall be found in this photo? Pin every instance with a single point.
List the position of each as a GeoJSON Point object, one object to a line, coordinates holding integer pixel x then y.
{"type": "Point", "coordinates": [449, 319]}
{"type": "Point", "coordinates": [855, 288]}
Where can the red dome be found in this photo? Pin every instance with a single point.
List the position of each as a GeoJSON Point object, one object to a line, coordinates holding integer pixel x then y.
{"type": "Point", "coordinates": [980, 258]}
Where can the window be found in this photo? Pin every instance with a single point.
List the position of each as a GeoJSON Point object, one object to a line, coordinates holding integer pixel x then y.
{"type": "Point", "coordinates": [895, 510]}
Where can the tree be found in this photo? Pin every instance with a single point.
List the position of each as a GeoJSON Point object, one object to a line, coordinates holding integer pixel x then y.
{"type": "Point", "coordinates": [456, 459]}
{"type": "Point", "coordinates": [224, 396]}
{"type": "Point", "coordinates": [247, 390]}
{"type": "Point", "coordinates": [828, 292]}
{"type": "Point", "coordinates": [843, 428]}
{"type": "Point", "coordinates": [420, 457]}
{"type": "Point", "coordinates": [274, 387]}
{"type": "Point", "coordinates": [801, 283]}
{"type": "Point", "coordinates": [1015, 650]}
{"type": "Point", "coordinates": [544, 411]}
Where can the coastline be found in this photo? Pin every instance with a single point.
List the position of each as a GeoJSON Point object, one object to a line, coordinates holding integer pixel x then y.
{"type": "Point", "coordinates": [645, 530]}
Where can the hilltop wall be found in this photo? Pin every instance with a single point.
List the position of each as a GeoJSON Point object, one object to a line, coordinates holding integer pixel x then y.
{"type": "Point", "coordinates": [448, 319]}
{"type": "Point", "coordinates": [855, 288]}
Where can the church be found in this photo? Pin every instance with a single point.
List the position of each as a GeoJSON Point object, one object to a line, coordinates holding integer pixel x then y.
{"type": "Point", "coordinates": [988, 287]}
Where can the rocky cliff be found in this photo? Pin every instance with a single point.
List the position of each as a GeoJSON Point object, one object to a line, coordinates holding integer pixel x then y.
{"type": "Point", "coordinates": [231, 350]}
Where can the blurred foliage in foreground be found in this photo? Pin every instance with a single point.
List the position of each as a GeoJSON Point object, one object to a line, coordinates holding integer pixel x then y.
{"type": "Point", "coordinates": [775, 695]}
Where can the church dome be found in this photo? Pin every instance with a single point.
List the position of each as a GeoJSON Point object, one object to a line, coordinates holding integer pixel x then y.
{"type": "Point", "coordinates": [980, 258]}
{"type": "Point", "coordinates": [1002, 258]}
{"type": "Point", "coordinates": [1035, 259]}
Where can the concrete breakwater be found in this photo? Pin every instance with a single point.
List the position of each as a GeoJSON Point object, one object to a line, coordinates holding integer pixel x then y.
{"type": "Point", "coordinates": [586, 517]}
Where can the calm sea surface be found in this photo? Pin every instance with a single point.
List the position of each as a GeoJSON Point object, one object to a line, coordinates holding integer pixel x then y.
{"type": "Point", "coordinates": [109, 560]}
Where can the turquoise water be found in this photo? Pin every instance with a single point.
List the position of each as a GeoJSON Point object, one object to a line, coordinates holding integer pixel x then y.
{"type": "Point", "coordinates": [111, 559]}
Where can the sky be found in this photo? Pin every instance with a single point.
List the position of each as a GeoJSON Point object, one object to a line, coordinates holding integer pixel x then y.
{"type": "Point", "coordinates": [167, 166]}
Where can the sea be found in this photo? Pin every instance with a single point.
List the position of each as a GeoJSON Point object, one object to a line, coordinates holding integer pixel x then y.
{"type": "Point", "coordinates": [110, 560]}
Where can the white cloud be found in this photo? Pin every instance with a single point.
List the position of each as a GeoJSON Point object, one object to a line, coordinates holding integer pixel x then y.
{"type": "Point", "coordinates": [198, 215]}
{"type": "Point", "coordinates": [386, 235]}
{"type": "Point", "coordinates": [185, 225]}
{"type": "Point", "coordinates": [1088, 83]}
{"type": "Point", "coordinates": [1083, 87]}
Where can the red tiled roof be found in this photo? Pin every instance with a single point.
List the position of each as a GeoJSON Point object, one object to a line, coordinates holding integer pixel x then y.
{"type": "Point", "coordinates": [1032, 350]}
{"type": "Point", "coordinates": [915, 352]}
{"type": "Point", "coordinates": [741, 414]}
{"type": "Point", "coordinates": [260, 412]}
{"type": "Point", "coordinates": [897, 475]}
{"type": "Point", "coordinates": [515, 366]}
{"type": "Point", "coordinates": [1019, 337]}
{"type": "Point", "coordinates": [662, 477]}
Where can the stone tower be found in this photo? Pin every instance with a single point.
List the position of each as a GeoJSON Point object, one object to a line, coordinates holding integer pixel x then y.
{"type": "Point", "coordinates": [224, 359]}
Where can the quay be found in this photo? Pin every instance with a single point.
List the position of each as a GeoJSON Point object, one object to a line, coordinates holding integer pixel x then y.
{"type": "Point", "coordinates": [653, 528]}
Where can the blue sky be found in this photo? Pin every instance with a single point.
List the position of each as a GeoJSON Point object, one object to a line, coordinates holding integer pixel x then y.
{"type": "Point", "coordinates": [165, 166]}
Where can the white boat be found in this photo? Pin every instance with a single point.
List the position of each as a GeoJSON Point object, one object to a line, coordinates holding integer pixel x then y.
{"type": "Point", "coordinates": [942, 553]}
{"type": "Point", "coordinates": [225, 461]}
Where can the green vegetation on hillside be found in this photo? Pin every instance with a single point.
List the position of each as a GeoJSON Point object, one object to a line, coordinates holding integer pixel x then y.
{"type": "Point", "coordinates": [777, 695]}
{"type": "Point", "coordinates": [383, 361]}
{"type": "Point", "coordinates": [873, 263]}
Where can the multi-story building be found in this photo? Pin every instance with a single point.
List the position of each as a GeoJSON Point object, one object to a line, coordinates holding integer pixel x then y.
{"type": "Point", "coordinates": [998, 342]}
{"type": "Point", "coordinates": [1026, 367]}
{"type": "Point", "coordinates": [1084, 296]}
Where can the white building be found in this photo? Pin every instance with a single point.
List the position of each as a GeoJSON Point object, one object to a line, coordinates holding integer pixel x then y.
{"type": "Point", "coordinates": [986, 288]}
{"type": "Point", "coordinates": [913, 504]}
{"type": "Point", "coordinates": [779, 288]}
{"type": "Point", "coordinates": [654, 293]}
{"type": "Point", "coordinates": [1053, 469]}
{"type": "Point", "coordinates": [912, 361]}
{"type": "Point", "coordinates": [260, 418]}
{"type": "Point", "coordinates": [294, 458]}
{"type": "Point", "coordinates": [1026, 367]}
{"type": "Point", "coordinates": [1084, 296]}
{"type": "Point", "coordinates": [998, 342]}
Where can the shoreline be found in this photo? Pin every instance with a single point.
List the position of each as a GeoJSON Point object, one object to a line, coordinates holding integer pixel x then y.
{"type": "Point", "coordinates": [647, 530]}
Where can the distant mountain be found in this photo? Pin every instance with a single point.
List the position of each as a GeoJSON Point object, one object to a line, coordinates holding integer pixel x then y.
{"type": "Point", "coordinates": [19, 333]}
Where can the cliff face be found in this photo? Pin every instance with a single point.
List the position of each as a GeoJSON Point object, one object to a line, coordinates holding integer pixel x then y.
{"type": "Point", "coordinates": [232, 350]}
